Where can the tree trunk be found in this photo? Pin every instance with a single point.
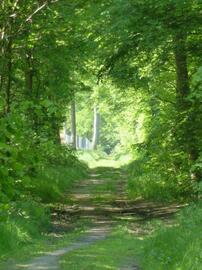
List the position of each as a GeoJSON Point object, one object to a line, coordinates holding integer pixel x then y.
{"type": "Point", "coordinates": [29, 74]}
{"type": "Point", "coordinates": [9, 77]}
{"type": "Point", "coordinates": [29, 92]}
{"type": "Point", "coordinates": [96, 128]}
{"type": "Point", "coordinates": [73, 122]}
{"type": "Point", "coordinates": [186, 127]}
{"type": "Point", "coordinates": [56, 129]}
{"type": "Point", "coordinates": [182, 80]}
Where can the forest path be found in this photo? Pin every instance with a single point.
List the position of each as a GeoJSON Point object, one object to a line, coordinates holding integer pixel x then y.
{"type": "Point", "coordinates": [100, 202]}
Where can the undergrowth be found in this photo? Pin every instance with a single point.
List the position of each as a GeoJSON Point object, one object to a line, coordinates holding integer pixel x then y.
{"type": "Point", "coordinates": [61, 178]}
{"type": "Point", "coordinates": [24, 213]}
{"type": "Point", "coordinates": [178, 247]}
{"type": "Point", "coordinates": [157, 183]}
{"type": "Point", "coordinates": [22, 221]}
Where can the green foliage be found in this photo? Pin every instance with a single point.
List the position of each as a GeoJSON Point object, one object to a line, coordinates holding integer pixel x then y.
{"type": "Point", "coordinates": [151, 184]}
{"type": "Point", "coordinates": [61, 178]}
{"type": "Point", "coordinates": [174, 246]}
{"type": "Point", "coordinates": [178, 247]}
{"type": "Point", "coordinates": [149, 101]}
{"type": "Point", "coordinates": [20, 223]}
{"type": "Point", "coordinates": [37, 79]}
{"type": "Point", "coordinates": [138, 61]}
{"type": "Point", "coordinates": [26, 218]}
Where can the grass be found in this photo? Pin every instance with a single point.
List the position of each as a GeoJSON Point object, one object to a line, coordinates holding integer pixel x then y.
{"type": "Point", "coordinates": [101, 159]}
{"type": "Point", "coordinates": [152, 184]}
{"type": "Point", "coordinates": [23, 223]}
{"type": "Point", "coordinates": [40, 245]}
{"type": "Point", "coordinates": [107, 189]}
{"type": "Point", "coordinates": [176, 247]}
{"type": "Point", "coordinates": [61, 178]}
{"type": "Point", "coordinates": [106, 254]}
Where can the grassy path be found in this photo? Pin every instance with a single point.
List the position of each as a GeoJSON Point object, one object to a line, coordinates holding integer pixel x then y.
{"type": "Point", "coordinates": [100, 202]}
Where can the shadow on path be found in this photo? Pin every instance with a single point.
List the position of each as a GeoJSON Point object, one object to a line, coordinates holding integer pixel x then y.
{"type": "Point", "coordinates": [101, 200]}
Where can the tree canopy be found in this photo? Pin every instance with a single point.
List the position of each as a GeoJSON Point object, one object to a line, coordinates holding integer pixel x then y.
{"type": "Point", "coordinates": [132, 66]}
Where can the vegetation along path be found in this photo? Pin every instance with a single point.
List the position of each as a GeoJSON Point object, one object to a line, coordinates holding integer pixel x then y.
{"type": "Point", "coordinates": [101, 203]}
{"type": "Point", "coordinates": [111, 83]}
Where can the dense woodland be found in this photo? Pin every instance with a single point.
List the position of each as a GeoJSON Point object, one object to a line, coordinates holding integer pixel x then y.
{"type": "Point", "coordinates": [133, 66]}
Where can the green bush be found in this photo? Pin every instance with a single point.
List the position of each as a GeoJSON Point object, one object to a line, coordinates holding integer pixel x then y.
{"type": "Point", "coordinates": [158, 183]}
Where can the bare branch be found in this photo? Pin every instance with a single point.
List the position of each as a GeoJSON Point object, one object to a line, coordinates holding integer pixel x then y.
{"type": "Point", "coordinates": [36, 11]}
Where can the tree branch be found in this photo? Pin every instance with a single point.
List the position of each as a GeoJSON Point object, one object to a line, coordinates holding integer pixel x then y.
{"type": "Point", "coordinates": [36, 11]}
{"type": "Point", "coordinates": [165, 100]}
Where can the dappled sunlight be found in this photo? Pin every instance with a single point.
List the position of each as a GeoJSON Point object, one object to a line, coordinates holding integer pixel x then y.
{"type": "Point", "coordinates": [100, 134]}
{"type": "Point", "coordinates": [103, 211]}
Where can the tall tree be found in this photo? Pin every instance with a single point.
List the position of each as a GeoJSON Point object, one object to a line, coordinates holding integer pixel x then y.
{"type": "Point", "coordinates": [96, 127]}
{"type": "Point", "coordinates": [73, 123]}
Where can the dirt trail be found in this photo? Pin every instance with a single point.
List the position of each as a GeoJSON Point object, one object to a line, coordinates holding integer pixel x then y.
{"type": "Point", "coordinates": [100, 201]}
{"type": "Point", "coordinates": [50, 260]}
